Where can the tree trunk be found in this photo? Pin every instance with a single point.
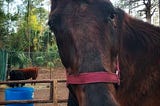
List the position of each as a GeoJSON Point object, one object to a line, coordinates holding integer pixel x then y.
{"type": "Point", "coordinates": [148, 11]}
{"type": "Point", "coordinates": [28, 28]}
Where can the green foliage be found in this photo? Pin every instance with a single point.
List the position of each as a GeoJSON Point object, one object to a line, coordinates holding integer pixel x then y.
{"type": "Point", "coordinates": [25, 35]}
{"type": "Point", "coordinates": [49, 58]}
{"type": "Point", "coordinates": [3, 30]}
{"type": "Point", "coordinates": [39, 61]}
{"type": "Point", "coordinates": [50, 64]}
{"type": "Point", "coordinates": [18, 59]}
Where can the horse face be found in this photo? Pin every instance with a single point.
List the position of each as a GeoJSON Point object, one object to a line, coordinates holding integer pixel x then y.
{"type": "Point", "coordinates": [85, 37]}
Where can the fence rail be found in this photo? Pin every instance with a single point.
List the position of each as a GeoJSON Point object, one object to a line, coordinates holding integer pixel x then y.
{"type": "Point", "coordinates": [53, 92]}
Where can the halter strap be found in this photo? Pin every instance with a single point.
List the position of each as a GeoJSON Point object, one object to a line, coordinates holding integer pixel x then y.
{"type": "Point", "coordinates": [96, 77]}
{"type": "Point", "coordinates": [93, 77]}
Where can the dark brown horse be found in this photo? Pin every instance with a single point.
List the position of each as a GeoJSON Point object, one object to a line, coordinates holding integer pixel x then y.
{"type": "Point", "coordinates": [95, 40]}
{"type": "Point", "coordinates": [23, 74]}
{"type": "Point", "coordinates": [30, 72]}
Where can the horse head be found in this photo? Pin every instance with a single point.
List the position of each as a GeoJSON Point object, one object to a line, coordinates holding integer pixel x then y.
{"type": "Point", "coordinates": [85, 35]}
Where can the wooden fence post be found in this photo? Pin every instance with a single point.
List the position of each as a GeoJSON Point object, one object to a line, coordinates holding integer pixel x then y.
{"type": "Point", "coordinates": [55, 93]}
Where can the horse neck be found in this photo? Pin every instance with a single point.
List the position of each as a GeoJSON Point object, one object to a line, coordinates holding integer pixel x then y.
{"type": "Point", "coordinates": [139, 60]}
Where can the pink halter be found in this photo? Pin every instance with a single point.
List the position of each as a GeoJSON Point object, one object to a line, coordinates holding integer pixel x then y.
{"type": "Point", "coordinates": [95, 77]}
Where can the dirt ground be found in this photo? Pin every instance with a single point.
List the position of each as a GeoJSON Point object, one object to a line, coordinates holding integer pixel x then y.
{"type": "Point", "coordinates": [42, 90]}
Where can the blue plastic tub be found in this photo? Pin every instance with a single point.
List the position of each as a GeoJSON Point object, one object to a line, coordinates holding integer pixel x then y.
{"type": "Point", "coordinates": [19, 93]}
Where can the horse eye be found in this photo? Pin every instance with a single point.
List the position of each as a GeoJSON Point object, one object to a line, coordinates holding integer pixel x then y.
{"type": "Point", "coordinates": [112, 16]}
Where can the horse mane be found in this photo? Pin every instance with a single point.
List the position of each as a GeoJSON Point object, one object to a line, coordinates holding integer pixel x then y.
{"type": "Point", "coordinates": [138, 38]}
{"type": "Point", "coordinates": [139, 53]}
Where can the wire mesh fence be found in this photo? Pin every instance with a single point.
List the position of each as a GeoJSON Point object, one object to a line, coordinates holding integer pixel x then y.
{"type": "Point", "coordinates": [41, 59]}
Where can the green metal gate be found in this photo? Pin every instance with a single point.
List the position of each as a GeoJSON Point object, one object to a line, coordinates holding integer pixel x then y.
{"type": "Point", "coordinates": [3, 65]}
